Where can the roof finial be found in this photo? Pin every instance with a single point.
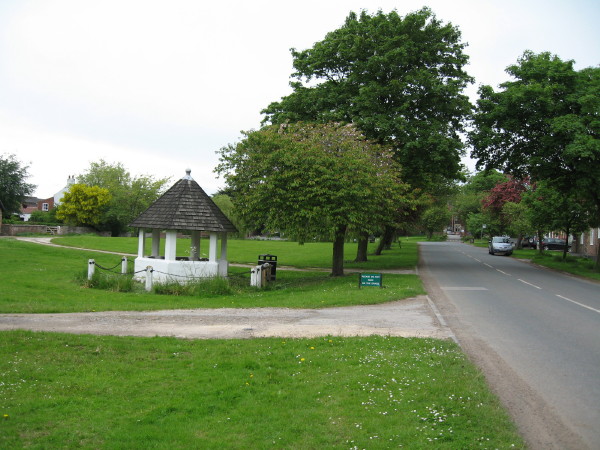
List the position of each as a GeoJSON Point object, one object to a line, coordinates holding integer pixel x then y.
{"type": "Point", "coordinates": [187, 175]}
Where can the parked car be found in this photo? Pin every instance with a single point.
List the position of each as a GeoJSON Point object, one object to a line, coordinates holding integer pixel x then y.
{"type": "Point", "coordinates": [500, 244]}
{"type": "Point", "coordinates": [529, 242]}
{"type": "Point", "coordinates": [555, 244]}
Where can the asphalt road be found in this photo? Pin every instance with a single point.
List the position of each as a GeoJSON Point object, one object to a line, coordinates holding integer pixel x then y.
{"type": "Point", "coordinates": [535, 332]}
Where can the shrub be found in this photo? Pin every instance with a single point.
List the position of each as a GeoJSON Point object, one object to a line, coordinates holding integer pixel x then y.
{"type": "Point", "coordinates": [108, 281]}
{"type": "Point", "coordinates": [208, 287]}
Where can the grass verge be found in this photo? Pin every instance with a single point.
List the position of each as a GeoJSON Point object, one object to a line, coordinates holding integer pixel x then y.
{"type": "Point", "coordinates": [41, 279]}
{"type": "Point", "coordinates": [79, 391]}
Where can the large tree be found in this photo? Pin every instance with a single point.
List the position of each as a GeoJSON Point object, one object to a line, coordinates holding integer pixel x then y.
{"type": "Point", "coordinates": [312, 180]}
{"type": "Point", "coordinates": [13, 185]}
{"type": "Point", "coordinates": [471, 194]}
{"type": "Point", "coordinates": [544, 124]}
{"type": "Point", "coordinates": [548, 209]}
{"type": "Point", "coordinates": [400, 80]}
{"type": "Point", "coordinates": [83, 205]}
{"type": "Point", "coordinates": [130, 195]}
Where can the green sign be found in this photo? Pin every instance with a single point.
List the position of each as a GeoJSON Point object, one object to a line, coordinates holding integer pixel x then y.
{"type": "Point", "coordinates": [370, 279]}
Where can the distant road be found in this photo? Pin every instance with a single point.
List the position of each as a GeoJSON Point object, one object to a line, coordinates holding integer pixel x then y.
{"type": "Point", "coordinates": [535, 332]}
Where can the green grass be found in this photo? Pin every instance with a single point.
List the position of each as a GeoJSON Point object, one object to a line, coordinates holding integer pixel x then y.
{"type": "Point", "coordinates": [42, 279]}
{"type": "Point", "coordinates": [583, 267]}
{"type": "Point", "coordinates": [245, 251]}
{"type": "Point", "coordinates": [74, 391]}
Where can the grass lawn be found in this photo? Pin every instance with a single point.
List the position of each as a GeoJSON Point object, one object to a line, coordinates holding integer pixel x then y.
{"type": "Point", "coordinates": [41, 279]}
{"type": "Point", "coordinates": [77, 391]}
{"type": "Point", "coordinates": [246, 251]}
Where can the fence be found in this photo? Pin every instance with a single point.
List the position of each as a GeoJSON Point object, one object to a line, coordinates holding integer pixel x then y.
{"type": "Point", "coordinates": [260, 276]}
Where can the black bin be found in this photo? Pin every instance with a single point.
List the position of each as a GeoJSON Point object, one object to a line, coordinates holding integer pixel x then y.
{"type": "Point", "coordinates": [270, 259]}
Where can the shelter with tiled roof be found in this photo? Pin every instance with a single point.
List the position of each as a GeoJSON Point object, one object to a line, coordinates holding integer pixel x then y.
{"type": "Point", "coordinates": [184, 207]}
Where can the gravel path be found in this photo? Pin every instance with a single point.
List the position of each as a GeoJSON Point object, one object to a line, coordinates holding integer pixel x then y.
{"type": "Point", "coordinates": [405, 318]}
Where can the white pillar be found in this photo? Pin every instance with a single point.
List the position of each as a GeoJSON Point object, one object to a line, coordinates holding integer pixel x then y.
{"type": "Point", "coordinates": [195, 248]}
{"type": "Point", "coordinates": [156, 243]}
{"type": "Point", "coordinates": [91, 268]}
{"type": "Point", "coordinates": [141, 243]}
{"type": "Point", "coordinates": [171, 245]}
{"type": "Point", "coordinates": [124, 264]}
{"type": "Point", "coordinates": [224, 246]}
{"type": "Point", "coordinates": [212, 250]}
{"type": "Point", "coordinates": [149, 271]}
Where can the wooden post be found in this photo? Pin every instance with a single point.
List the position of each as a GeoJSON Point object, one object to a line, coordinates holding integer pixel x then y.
{"type": "Point", "coordinates": [91, 268]}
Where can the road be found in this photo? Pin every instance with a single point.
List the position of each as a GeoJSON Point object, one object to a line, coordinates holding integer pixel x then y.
{"type": "Point", "coordinates": [534, 332]}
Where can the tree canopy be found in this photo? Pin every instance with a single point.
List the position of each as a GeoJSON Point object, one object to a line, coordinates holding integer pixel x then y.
{"type": "Point", "coordinates": [544, 124]}
{"type": "Point", "coordinates": [398, 79]}
{"type": "Point", "coordinates": [130, 196]}
{"type": "Point", "coordinates": [311, 180]}
{"type": "Point", "coordinates": [83, 205]}
{"type": "Point", "coordinates": [13, 185]}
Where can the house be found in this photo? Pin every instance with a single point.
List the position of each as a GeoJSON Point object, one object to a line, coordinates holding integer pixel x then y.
{"type": "Point", "coordinates": [31, 204]}
{"type": "Point", "coordinates": [28, 205]}
{"type": "Point", "coordinates": [587, 243]}
{"type": "Point", "coordinates": [60, 194]}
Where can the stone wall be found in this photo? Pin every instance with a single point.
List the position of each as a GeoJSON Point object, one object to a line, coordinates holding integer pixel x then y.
{"type": "Point", "coordinates": [16, 230]}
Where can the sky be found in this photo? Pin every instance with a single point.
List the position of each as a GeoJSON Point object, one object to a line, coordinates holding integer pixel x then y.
{"type": "Point", "coordinates": [161, 86]}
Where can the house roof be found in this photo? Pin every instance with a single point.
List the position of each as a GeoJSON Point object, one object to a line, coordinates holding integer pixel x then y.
{"type": "Point", "coordinates": [185, 207]}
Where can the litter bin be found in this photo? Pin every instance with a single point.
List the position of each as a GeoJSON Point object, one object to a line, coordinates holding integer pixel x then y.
{"type": "Point", "coordinates": [271, 259]}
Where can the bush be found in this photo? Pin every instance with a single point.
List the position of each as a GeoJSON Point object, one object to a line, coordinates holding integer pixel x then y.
{"type": "Point", "coordinates": [108, 281]}
{"type": "Point", "coordinates": [209, 287]}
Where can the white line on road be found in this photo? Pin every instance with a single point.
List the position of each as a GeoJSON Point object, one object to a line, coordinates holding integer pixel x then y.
{"type": "Point", "coordinates": [504, 273]}
{"type": "Point", "coordinates": [523, 281]}
{"type": "Point", "coordinates": [478, 260]}
{"type": "Point", "coordinates": [486, 264]}
{"type": "Point", "coordinates": [463, 288]}
{"type": "Point", "coordinates": [577, 303]}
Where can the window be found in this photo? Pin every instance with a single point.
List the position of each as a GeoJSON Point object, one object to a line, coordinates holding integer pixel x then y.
{"type": "Point", "coordinates": [591, 236]}
{"type": "Point", "coordinates": [44, 206]}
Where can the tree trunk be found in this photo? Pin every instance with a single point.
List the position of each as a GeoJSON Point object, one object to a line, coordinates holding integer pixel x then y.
{"type": "Point", "coordinates": [540, 237]}
{"type": "Point", "coordinates": [520, 242]}
{"type": "Point", "coordinates": [566, 249]}
{"type": "Point", "coordinates": [363, 245]}
{"type": "Point", "coordinates": [597, 264]}
{"type": "Point", "coordinates": [337, 269]}
{"type": "Point", "coordinates": [385, 242]}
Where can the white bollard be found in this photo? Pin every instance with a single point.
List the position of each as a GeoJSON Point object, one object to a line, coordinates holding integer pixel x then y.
{"type": "Point", "coordinates": [149, 271]}
{"type": "Point", "coordinates": [124, 264]}
{"type": "Point", "coordinates": [91, 268]}
{"type": "Point", "coordinates": [255, 276]}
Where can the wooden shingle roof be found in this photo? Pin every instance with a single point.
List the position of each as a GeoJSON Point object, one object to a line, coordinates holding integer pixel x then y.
{"type": "Point", "coordinates": [185, 207]}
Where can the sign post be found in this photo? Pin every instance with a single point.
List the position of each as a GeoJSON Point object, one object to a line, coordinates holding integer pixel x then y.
{"type": "Point", "coordinates": [370, 279]}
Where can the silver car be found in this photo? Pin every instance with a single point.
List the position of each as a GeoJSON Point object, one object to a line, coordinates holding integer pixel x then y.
{"type": "Point", "coordinates": [500, 244]}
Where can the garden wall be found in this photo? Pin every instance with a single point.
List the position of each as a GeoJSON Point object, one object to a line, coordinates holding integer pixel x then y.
{"type": "Point", "coordinates": [16, 230]}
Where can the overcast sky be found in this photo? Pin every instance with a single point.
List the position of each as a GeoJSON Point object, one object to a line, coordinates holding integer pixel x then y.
{"type": "Point", "coordinates": [160, 86]}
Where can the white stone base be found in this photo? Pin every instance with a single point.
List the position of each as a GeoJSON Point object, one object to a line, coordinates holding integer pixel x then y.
{"type": "Point", "coordinates": [179, 271]}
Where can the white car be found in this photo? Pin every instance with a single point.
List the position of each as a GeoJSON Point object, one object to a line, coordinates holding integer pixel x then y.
{"type": "Point", "coordinates": [500, 244]}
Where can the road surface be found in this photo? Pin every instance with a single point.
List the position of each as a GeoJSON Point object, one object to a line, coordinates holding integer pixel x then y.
{"type": "Point", "coordinates": [534, 332]}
